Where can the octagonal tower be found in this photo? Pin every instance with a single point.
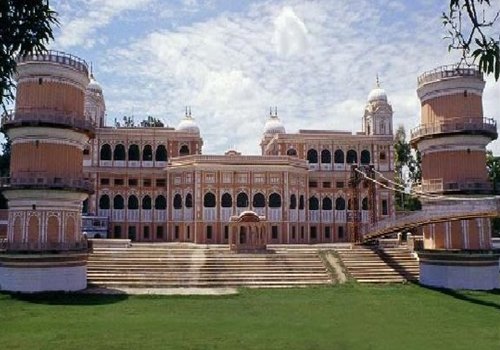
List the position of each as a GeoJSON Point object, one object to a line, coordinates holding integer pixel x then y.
{"type": "Point", "coordinates": [452, 139]}
{"type": "Point", "coordinates": [48, 130]}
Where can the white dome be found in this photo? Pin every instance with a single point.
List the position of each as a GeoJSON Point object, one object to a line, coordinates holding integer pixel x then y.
{"type": "Point", "coordinates": [274, 126]}
{"type": "Point", "coordinates": [94, 85]}
{"type": "Point", "coordinates": [377, 94]}
{"type": "Point", "coordinates": [188, 124]}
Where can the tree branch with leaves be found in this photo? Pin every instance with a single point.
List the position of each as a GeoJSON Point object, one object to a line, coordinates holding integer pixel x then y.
{"type": "Point", "coordinates": [25, 27]}
{"type": "Point", "coordinates": [473, 28]}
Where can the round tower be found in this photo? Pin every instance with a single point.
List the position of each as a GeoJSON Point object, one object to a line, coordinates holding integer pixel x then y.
{"type": "Point", "coordinates": [453, 133]}
{"type": "Point", "coordinates": [48, 130]}
{"type": "Point", "coordinates": [452, 139]}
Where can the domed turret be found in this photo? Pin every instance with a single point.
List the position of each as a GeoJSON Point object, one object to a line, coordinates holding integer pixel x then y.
{"type": "Point", "coordinates": [377, 119]}
{"type": "Point", "coordinates": [188, 124]}
{"type": "Point", "coordinates": [95, 107]}
{"type": "Point", "coordinates": [273, 124]}
{"type": "Point", "coordinates": [94, 85]}
{"type": "Point", "coordinates": [377, 94]}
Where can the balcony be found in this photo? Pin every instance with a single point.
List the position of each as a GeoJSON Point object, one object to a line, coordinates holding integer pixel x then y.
{"type": "Point", "coordinates": [59, 57]}
{"type": "Point", "coordinates": [46, 246]}
{"type": "Point", "coordinates": [47, 117]}
{"type": "Point", "coordinates": [460, 125]}
{"type": "Point", "coordinates": [35, 180]}
{"type": "Point", "coordinates": [448, 72]}
{"type": "Point", "coordinates": [463, 186]}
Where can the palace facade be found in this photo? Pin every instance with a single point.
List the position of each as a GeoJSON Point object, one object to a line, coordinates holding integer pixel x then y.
{"type": "Point", "coordinates": [154, 183]}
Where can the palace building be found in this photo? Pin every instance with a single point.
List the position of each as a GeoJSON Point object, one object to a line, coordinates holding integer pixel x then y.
{"type": "Point", "coordinates": [154, 184]}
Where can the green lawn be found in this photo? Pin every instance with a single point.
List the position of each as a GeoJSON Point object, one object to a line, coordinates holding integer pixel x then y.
{"type": "Point", "coordinates": [341, 317]}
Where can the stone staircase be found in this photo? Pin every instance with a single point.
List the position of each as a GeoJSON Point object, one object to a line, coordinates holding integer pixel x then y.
{"type": "Point", "coordinates": [166, 266]}
{"type": "Point", "coordinates": [380, 265]}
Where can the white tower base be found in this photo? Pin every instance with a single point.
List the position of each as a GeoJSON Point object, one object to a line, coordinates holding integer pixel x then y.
{"type": "Point", "coordinates": [43, 273]}
{"type": "Point", "coordinates": [462, 270]}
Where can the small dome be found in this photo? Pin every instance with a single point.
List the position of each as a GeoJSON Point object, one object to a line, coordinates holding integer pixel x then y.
{"type": "Point", "coordinates": [377, 94]}
{"type": "Point", "coordinates": [94, 85]}
{"type": "Point", "coordinates": [188, 124]}
{"type": "Point", "coordinates": [274, 126]}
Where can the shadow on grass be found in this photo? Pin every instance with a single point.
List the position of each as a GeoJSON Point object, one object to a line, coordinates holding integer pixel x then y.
{"type": "Point", "coordinates": [69, 298]}
{"type": "Point", "coordinates": [469, 296]}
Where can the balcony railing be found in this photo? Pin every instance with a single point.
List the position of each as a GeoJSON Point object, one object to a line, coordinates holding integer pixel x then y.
{"type": "Point", "coordinates": [46, 246]}
{"type": "Point", "coordinates": [46, 117]}
{"type": "Point", "coordinates": [56, 57]}
{"type": "Point", "coordinates": [457, 125]}
{"type": "Point", "coordinates": [447, 72]}
{"type": "Point", "coordinates": [41, 180]}
{"type": "Point", "coordinates": [467, 185]}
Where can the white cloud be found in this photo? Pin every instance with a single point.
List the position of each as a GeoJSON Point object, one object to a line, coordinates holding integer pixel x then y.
{"type": "Point", "coordinates": [83, 27]}
{"type": "Point", "coordinates": [315, 60]}
{"type": "Point", "coordinates": [290, 33]}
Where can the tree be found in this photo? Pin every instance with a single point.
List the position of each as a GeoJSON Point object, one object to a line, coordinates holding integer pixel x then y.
{"type": "Point", "coordinates": [493, 167]}
{"type": "Point", "coordinates": [25, 27]}
{"type": "Point", "coordinates": [152, 122]}
{"type": "Point", "coordinates": [407, 170]}
{"type": "Point", "coordinates": [471, 29]}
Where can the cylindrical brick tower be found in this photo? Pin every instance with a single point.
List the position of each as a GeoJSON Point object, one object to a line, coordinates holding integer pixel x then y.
{"type": "Point", "coordinates": [48, 131]}
{"type": "Point", "coordinates": [452, 139]}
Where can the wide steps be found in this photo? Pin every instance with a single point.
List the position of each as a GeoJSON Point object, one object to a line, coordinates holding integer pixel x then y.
{"type": "Point", "coordinates": [389, 265]}
{"type": "Point", "coordinates": [157, 267]}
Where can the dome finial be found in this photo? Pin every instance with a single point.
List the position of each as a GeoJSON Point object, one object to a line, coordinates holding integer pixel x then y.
{"type": "Point", "coordinates": [377, 81]}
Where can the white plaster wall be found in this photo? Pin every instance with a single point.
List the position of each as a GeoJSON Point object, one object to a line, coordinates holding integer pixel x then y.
{"type": "Point", "coordinates": [460, 277]}
{"type": "Point", "coordinates": [30, 280]}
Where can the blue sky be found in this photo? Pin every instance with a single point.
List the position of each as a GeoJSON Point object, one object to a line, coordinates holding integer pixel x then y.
{"type": "Point", "coordinates": [230, 60]}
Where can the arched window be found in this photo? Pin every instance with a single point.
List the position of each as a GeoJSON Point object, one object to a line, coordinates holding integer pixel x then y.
{"type": "Point", "coordinates": [226, 200]}
{"type": "Point", "coordinates": [338, 157]}
{"type": "Point", "coordinates": [177, 201]}
{"type": "Point", "coordinates": [313, 203]}
{"type": "Point", "coordinates": [133, 152]}
{"type": "Point", "coordinates": [352, 157]}
{"type": "Point", "coordinates": [242, 200]}
{"type": "Point", "coordinates": [133, 202]}
{"type": "Point", "coordinates": [326, 204]}
{"type": "Point", "coordinates": [293, 201]}
{"type": "Point", "coordinates": [161, 153]}
{"type": "Point", "coordinates": [146, 203]}
{"type": "Point", "coordinates": [301, 202]}
{"type": "Point", "coordinates": [274, 200]}
{"type": "Point", "coordinates": [104, 202]}
{"type": "Point", "coordinates": [259, 201]}
{"type": "Point", "coordinates": [365, 157]}
{"type": "Point", "coordinates": [326, 156]}
{"type": "Point", "coordinates": [291, 152]}
{"type": "Point", "coordinates": [184, 151]}
{"type": "Point", "coordinates": [364, 204]}
{"type": "Point", "coordinates": [340, 203]}
{"type": "Point", "coordinates": [118, 202]}
{"type": "Point", "coordinates": [105, 152]}
{"type": "Point", "coordinates": [209, 200]}
{"type": "Point", "coordinates": [147, 153]}
{"type": "Point", "coordinates": [312, 156]}
{"type": "Point", "coordinates": [189, 200]}
{"type": "Point", "coordinates": [161, 202]}
{"type": "Point", "coordinates": [85, 206]}
{"type": "Point", "coordinates": [119, 152]}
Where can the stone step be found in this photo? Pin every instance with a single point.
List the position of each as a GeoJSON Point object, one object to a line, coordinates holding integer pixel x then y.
{"type": "Point", "coordinates": [259, 284]}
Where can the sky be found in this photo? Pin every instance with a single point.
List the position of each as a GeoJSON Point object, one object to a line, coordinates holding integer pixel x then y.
{"type": "Point", "coordinates": [231, 60]}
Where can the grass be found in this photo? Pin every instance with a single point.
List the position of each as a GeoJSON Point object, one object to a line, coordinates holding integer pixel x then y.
{"type": "Point", "coordinates": [350, 316]}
